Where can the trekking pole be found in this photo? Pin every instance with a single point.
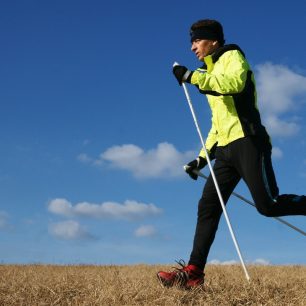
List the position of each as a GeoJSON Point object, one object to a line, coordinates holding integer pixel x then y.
{"type": "Point", "coordinates": [199, 173]}
{"type": "Point", "coordinates": [214, 179]}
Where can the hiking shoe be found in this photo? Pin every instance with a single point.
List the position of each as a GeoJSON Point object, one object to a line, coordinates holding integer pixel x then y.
{"type": "Point", "coordinates": [188, 276]}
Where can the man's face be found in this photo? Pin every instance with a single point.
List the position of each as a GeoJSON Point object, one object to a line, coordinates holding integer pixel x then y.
{"type": "Point", "coordinates": [203, 47]}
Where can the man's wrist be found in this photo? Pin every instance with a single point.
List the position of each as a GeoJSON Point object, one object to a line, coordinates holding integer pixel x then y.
{"type": "Point", "coordinates": [187, 76]}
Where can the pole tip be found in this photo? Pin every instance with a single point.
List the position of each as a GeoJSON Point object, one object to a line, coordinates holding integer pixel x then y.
{"type": "Point", "coordinates": [175, 64]}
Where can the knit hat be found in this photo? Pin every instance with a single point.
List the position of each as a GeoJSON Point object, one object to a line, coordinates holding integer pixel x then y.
{"type": "Point", "coordinates": [210, 31]}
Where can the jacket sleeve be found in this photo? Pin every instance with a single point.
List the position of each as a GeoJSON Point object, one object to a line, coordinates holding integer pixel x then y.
{"type": "Point", "coordinates": [230, 81]}
{"type": "Point", "coordinates": [210, 144]}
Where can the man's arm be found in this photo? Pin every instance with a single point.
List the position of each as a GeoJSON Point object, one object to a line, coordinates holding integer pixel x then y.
{"type": "Point", "coordinates": [210, 144]}
{"type": "Point", "coordinates": [233, 79]}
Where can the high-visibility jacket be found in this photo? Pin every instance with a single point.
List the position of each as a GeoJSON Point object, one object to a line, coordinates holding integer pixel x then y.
{"type": "Point", "coordinates": [229, 85]}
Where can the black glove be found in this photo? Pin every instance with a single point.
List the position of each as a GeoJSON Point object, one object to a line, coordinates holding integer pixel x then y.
{"type": "Point", "coordinates": [196, 164]}
{"type": "Point", "coordinates": [182, 74]}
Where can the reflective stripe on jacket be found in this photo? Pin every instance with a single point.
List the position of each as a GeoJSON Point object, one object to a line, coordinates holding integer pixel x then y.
{"type": "Point", "coordinates": [229, 85]}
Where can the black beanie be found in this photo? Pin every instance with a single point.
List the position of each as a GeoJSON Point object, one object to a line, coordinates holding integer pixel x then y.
{"type": "Point", "coordinates": [211, 31]}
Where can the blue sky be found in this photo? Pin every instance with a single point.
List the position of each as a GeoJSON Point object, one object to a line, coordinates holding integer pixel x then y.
{"type": "Point", "coordinates": [95, 130]}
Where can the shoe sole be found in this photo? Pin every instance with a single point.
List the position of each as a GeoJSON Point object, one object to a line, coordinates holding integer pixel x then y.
{"type": "Point", "coordinates": [164, 282]}
{"type": "Point", "coordinates": [169, 284]}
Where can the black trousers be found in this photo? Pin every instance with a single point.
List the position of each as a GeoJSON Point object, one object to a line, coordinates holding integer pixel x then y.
{"type": "Point", "coordinates": [248, 158]}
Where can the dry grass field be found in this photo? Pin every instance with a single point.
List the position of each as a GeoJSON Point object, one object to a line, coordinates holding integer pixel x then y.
{"type": "Point", "coordinates": [137, 285]}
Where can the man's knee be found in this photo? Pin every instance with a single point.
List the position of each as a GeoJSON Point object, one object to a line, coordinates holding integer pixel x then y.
{"type": "Point", "coordinates": [266, 209]}
{"type": "Point", "coordinates": [209, 206]}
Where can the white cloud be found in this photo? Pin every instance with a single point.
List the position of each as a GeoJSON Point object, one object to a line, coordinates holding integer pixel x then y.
{"type": "Point", "coordinates": [84, 158]}
{"type": "Point", "coordinates": [3, 219]}
{"type": "Point", "coordinates": [277, 153]}
{"type": "Point", "coordinates": [280, 91]}
{"type": "Point", "coordinates": [261, 261]}
{"type": "Point", "coordinates": [61, 207]}
{"type": "Point", "coordinates": [163, 161]}
{"type": "Point", "coordinates": [258, 261]}
{"type": "Point", "coordinates": [226, 262]}
{"type": "Point", "coordinates": [69, 230]}
{"type": "Point", "coordinates": [279, 127]}
{"type": "Point", "coordinates": [129, 210]}
{"type": "Point", "coordinates": [145, 231]}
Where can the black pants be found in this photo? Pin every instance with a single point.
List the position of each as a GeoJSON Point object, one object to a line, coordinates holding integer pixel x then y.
{"type": "Point", "coordinates": [250, 159]}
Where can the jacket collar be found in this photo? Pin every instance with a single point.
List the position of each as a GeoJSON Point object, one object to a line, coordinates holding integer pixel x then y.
{"type": "Point", "coordinates": [211, 59]}
{"type": "Point", "coordinates": [220, 51]}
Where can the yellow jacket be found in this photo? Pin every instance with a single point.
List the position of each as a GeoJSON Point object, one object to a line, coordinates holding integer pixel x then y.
{"type": "Point", "coordinates": [229, 85]}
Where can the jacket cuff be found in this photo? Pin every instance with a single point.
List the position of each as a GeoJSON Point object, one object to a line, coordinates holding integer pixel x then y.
{"type": "Point", "coordinates": [187, 76]}
{"type": "Point", "coordinates": [202, 154]}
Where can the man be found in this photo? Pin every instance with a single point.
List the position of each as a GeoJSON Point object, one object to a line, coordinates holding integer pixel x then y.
{"type": "Point", "coordinates": [237, 141]}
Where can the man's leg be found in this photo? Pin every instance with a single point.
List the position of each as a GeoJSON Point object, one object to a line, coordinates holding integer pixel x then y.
{"type": "Point", "coordinates": [253, 161]}
{"type": "Point", "coordinates": [210, 210]}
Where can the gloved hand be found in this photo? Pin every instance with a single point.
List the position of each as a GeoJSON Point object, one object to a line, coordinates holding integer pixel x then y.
{"type": "Point", "coordinates": [196, 164]}
{"type": "Point", "coordinates": [182, 74]}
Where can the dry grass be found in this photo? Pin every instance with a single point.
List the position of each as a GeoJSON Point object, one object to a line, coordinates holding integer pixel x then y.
{"type": "Point", "coordinates": [32, 285]}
